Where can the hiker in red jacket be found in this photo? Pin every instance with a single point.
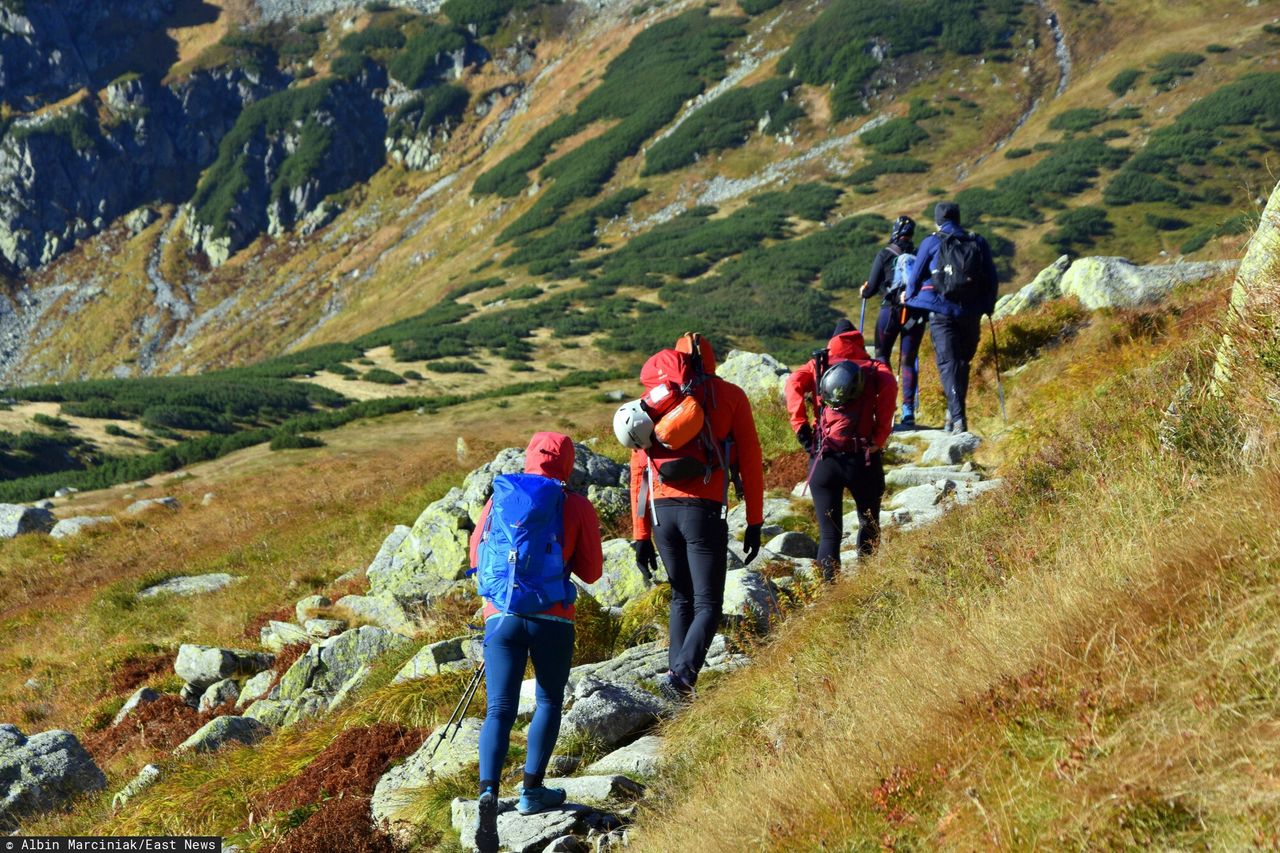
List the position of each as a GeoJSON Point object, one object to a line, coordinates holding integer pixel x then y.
{"type": "Point", "coordinates": [546, 636]}
{"type": "Point", "coordinates": [853, 399]}
{"type": "Point", "coordinates": [685, 516]}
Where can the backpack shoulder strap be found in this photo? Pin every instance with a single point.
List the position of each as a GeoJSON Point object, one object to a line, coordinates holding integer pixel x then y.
{"type": "Point", "coordinates": [895, 249]}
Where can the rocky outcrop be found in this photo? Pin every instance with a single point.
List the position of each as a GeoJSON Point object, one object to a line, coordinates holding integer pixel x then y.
{"type": "Point", "coordinates": [276, 10]}
{"type": "Point", "coordinates": [40, 773]}
{"type": "Point", "coordinates": [759, 374]}
{"type": "Point", "coordinates": [16, 519]}
{"type": "Point", "coordinates": [1045, 286]}
{"type": "Point", "coordinates": [1103, 282]}
{"type": "Point", "coordinates": [202, 666]}
{"type": "Point", "coordinates": [610, 713]}
{"type": "Point", "coordinates": [621, 581]}
{"type": "Point", "coordinates": [436, 758]}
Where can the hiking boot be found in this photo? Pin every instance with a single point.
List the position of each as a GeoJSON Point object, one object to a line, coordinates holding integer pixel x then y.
{"type": "Point", "coordinates": [540, 799]}
{"type": "Point", "coordinates": [487, 822]}
{"type": "Point", "coordinates": [675, 688]}
{"type": "Point", "coordinates": [908, 419]}
{"type": "Point", "coordinates": [959, 426]}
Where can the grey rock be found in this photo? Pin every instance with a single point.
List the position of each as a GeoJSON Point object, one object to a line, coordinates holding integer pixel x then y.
{"type": "Point", "coordinates": [322, 629]}
{"type": "Point", "coordinates": [910, 475]}
{"type": "Point", "coordinates": [16, 519]}
{"type": "Point", "coordinates": [308, 607]}
{"type": "Point", "coordinates": [792, 544]}
{"type": "Point", "coordinates": [65, 492]}
{"type": "Point", "coordinates": [524, 833]}
{"type": "Point", "coordinates": [44, 504]}
{"type": "Point", "coordinates": [568, 844]}
{"type": "Point", "coordinates": [620, 581]}
{"type": "Point", "coordinates": [190, 694]}
{"type": "Point", "coordinates": [922, 498]}
{"type": "Point", "coordinates": [384, 611]}
{"type": "Point", "coordinates": [598, 789]}
{"type": "Point", "coordinates": [148, 504]}
{"type": "Point", "coordinates": [204, 665]}
{"type": "Point", "coordinates": [951, 449]}
{"type": "Point", "coordinates": [1107, 282]}
{"type": "Point", "coordinates": [398, 786]}
{"type": "Point", "coordinates": [749, 595]}
{"type": "Point", "coordinates": [147, 776]}
{"type": "Point", "coordinates": [610, 712]}
{"type": "Point", "coordinates": [218, 693]}
{"type": "Point", "coordinates": [640, 758]}
{"type": "Point", "coordinates": [760, 375]}
{"type": "Point", "coordinates": [329, 671]}
{"type": "Point", "coordinates": [1045, 286]}
{"type": "Point", "coordinates": [141, 696]}
{"type": "Point", "coordinates": [138, 220]}
{"type": "Point", "coordinates": [272, 713]}
{"type": "Point", "coordinates": [276, 635]}
{"type": "Point", "coordinates": [610, 501]}
{"type": "Point", "coordinates": [643, 662]}
{"type": "Point", "coordinates": [433, 555]}
{"type": "Point", "coordinates": [41, 773]}
{"type": "Point", "coordinates": [208, 499]}
{"type": "Point", "coordinates": [775, 509]}
{"type": "Point", "coordinates": [68, 527]}
{"type": "Point", "coordinates": [433, 659]}
{"type": "Point", "coordinates": [190, 585]}
{"type": "Point", "coordinates": [382, 561]}
{"type": "Point", "coordinates": [563, 765]}
{"type": "Point", "coordinates": [255, 688]}
{"type": "Point", "coordinates": [221, 731]}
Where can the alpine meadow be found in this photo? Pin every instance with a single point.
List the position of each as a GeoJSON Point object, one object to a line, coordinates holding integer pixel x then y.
{"type": "Point", "coordinates": [422, 426]}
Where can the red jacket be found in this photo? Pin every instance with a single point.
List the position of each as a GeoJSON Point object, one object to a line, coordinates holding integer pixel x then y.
{"type": "Point", "coordinates": [730, 416]}
{"type": "Point", "coordinates": [876, 420]}
{"type": "Point", "coordinates": [551, 455]}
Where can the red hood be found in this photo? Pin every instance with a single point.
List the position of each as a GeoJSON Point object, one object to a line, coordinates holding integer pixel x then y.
{"type": "Point", "coordinates": [848, 346]}
{"type": "Point", "coordinates": [549, 454]}
{"type": "Point", "coordinates": [684, 344]}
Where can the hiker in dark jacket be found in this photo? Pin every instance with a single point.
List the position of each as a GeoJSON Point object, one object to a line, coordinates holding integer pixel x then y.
{"type": "Point", "coordinates": [896, 319]}
{"type": "Point", "coordinates": [955, 324]}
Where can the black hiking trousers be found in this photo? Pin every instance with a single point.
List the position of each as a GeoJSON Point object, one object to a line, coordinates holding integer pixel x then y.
{"type": "Point", "coordinates": [864, 478]}
{"type": "Point", "coordinates": [693, 539]}
{"type": "Point", "coordinates": [955, 341]}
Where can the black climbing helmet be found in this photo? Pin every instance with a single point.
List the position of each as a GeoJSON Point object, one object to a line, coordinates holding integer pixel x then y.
{"type": "Point", "coordinates": [903, 229]}
{"type": "Point", "coordinates": [842, 383]}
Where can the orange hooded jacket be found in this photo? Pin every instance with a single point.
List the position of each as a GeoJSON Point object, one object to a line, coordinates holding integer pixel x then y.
{"type": "Point", "coordinates": [550, 454]}
{"type": "Point", "coordinates": [877, 420]}
{"type": "Point", "coordinates": [730, 417]}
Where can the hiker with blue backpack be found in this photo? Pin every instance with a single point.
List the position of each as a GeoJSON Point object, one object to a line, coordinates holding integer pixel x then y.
{"type": "Point", "coordinates": [889, 271]}
{"type": "Point", "coordinates": [954, 278]}
{"type": "Point", "coordinates": [532, 535]}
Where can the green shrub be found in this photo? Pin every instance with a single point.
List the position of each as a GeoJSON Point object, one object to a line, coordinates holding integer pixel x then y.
{"type": "Point", "coordinates": [868, 172]}
{"type": "Point", "coordinates": [454, 367]}
{"type": "Point", "coordinates": [755, 7]}
{"type": "Point", "coordinates": [1123, 83]}
{"type": "Point", "coordinates": [484, 15]}
{"type": "Point", "coordinates": [1078, 228]}
{"type": "Point", "coordinates": [414, 375]}
{"type": "Point", "coordinates": [418, 62]}
{"type": "Point", "coordinates": [118, 431]}
{"type": "Point", "coordinates": [1070, 169]}
{"type": "Point", "coordinates": [1217, 48]}
{"type": "Point", "coordinates": [373, 39]}
{"type": "Point", "coordinates": [1017, 153]}
{"type": "Point", "coordinates": [294, 441]}
{"type": "Point", "coordinates": [524, 291]}
{"type": "Point", "coordinates": [1165, 223]}
{"type": "Point", "coordinates": [921, 109]}
{"type": "Point", "coordinates": [50, 421]}
{"type": "Point", "coordinates": [895, 136]}
{"type": "Point", "coordinates": [169, 416]}
{"type": "Point", "coordinates": [1168, 69]}
{"type": "Point", "coordinates": [382, 377]}
{"type": "Point", "coordinates": [1081, 119]}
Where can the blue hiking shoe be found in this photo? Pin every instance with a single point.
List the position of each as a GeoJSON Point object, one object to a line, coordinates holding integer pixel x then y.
{"type": "Point", "coordinates": [908, 419]}
{"type": "Point", "coordinates": [540, 799]}
{"type": "Point", "coordinates": [487, 822]}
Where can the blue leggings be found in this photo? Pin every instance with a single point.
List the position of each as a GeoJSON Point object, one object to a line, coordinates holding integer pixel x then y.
{"type": "Point", "coordinates": [509, 642]}
{"type": "Point", "coordinates": [889, 328]}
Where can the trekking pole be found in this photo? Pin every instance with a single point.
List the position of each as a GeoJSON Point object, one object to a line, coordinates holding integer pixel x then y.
{"type": "Point", "coordinates": [862, 319]}
{"type": "Point", "coordinates": [995, 349]}
{"type": "Point", "coordinates": [459, 710]}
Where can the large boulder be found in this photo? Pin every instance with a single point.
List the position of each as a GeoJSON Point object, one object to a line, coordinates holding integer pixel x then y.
{"type": "Point", "coordinates": [530, 833]}
{"type": "Point", "coordinates": [589, 469]}
{"type": "Point", "coordinates": [434, 659]}
{"type": "Point", "coordinates": [40, 773]}
{"type": "Point", "coordinates": [329, 671]}
{"type": "Point", "coordinates": [386, 553]}
{"type": "Point", "coordinates": [760, 375]}
{"type": "Point", "coordinates": [397, 788]}
{"type": "Point", "coordinates": [598, 789]}
{"type": "Point", "coordinates": [276, 635]}
{"type": "Point", "coordinates": [640, 758]}
{"type": "Point", "coordinates": [643, 662]}
{"type": "Point", "coordinates": [201, 666]}
{"type": "Point", "coordinates": [69, 527]}
{"type": "Point", "coordinates": [187, 585]}
{"type": "Point", "coordinates": [148, 504]}
{"type": "Point", "coordinates": [1044, 287]}
{"type": "Point", "coordinates": [431, 556]}
{"type": "Point", "coordinates": [749, 595]}
{"type": "Point", "coordinates": [309, 607]}
{"type": "Point", "coordinates": [951, 449]}
{"type": "Point", "coordinates": [255, 688]}
{"type": "Point", "coordinates": [775, 509]}
{"type": "Point", "coordinates": [610, 501]}
{"type": "Point", "coordinates": [1104, 282]}
{"type": "Point", "coordinates": [610, 713]}
{"type": "Point", "coordinates": [792, 543]}
{"type": "Point", "coordinates": [621, 581]}
{"type": "Point", "coordinates": [218, 693]}
{"type": "Point", "coordinates": [221, 731]}
{"type": "Point", "coordinates": [912, 475]}
{"type": "Point", "coordinates": [384, 611]}
{"type": "Point", "coordinates": [16, 519]}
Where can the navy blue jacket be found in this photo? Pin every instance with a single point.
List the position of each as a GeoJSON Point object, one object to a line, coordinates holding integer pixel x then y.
{"type": "Point", "coordinates": [920, 292]}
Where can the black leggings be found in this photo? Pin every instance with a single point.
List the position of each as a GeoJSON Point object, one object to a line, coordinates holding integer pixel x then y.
{"type": "Point", "coordinates": [693, 539]}
{"type": "Point", "coordinates": [834, 473]}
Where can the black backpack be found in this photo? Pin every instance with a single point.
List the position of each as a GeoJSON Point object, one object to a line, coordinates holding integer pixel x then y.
{"type": "Point", "coordinates": [959, 272]}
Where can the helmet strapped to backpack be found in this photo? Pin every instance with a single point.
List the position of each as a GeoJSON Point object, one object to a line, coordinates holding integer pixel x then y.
{"type": "Point", "coordinates": [633, 426]}
{"type": "Point", "coordinates": [842, 384]}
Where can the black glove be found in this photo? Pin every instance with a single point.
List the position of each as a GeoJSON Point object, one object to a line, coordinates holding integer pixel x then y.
{"type": "Point", "coordinates": [804, 435]}
{"type": "Point", "coordinates": [646, 558]}
{"type": "Point", "coordinates": [751, 543]}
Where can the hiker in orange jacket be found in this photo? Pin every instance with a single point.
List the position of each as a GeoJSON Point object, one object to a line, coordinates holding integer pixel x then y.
{"type": "Point", "coordinates": [686, 519]}
{"type": "Point", "coordinates": [846, 442]}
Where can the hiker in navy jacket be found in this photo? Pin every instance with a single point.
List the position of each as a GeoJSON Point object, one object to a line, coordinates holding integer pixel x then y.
{"type": "Point", "coordinates": [955, 326]}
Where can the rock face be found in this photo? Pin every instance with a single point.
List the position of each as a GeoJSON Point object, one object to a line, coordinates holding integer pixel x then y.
{"type": "Point", "coordinates": [204, 665]}
{"type": "Point", "coordinates": [1104, 282]}
{"type": "Point", "coordinates": [395, 789]}
{"type": "Point", "coordinates": [1045, 286]}
{"type": "Point", "coordinates": [69, 527]}
{"type": "Point", "coordinates": [43, 772]}
{"type": "Point", "coordinates": [16, 519]}
{"type": "Point", "coordinates": [275, 10]}
{"type": "Point", "coordinates": [759, 374]}
{"type": "Point", "coordinates": [221, 731]}
{"type": "Point", "coordinates": [328, 672]}
{"type": "Point", "coordinates": [190, 585]}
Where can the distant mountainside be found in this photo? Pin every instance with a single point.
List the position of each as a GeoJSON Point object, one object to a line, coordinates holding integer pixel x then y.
{"type": "Point", "coordinates": [213, 184]}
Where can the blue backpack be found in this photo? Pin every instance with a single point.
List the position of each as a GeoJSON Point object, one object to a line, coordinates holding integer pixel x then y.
{"type": "Point", "coordinates": [902, 267]}
{"type": "Point", "coordinates": [521, 563]}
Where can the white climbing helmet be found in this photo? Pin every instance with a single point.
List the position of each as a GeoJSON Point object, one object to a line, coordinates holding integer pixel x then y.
{"type": "Point", "coordinates": [633, 426]}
